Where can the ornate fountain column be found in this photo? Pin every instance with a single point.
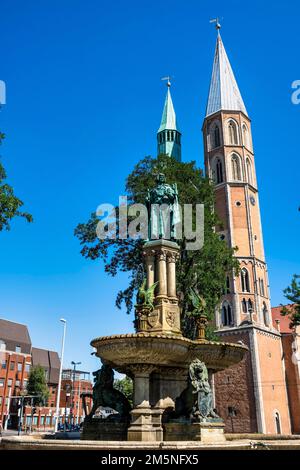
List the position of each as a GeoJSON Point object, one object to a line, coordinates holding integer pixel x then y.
{"type": "Point", "coordinates": [164, 317]}
{"type": "Point", "coordinates": [145, 421]}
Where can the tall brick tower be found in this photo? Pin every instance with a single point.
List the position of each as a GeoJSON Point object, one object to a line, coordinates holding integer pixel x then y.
{"type": "Point", "coordinates": [251, 397]}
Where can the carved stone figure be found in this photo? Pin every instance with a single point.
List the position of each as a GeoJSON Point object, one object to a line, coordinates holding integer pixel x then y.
{"type": "Point", "coordinates": [199, 379]}
{"type": "Point", "coordinates": [162, 204]}
{"type": "Point", "coordinates": [145, 297]}
{"type": "Point", "coordinates": [104, 394]}
{"type": "Point", "coordinates": [195, 402]}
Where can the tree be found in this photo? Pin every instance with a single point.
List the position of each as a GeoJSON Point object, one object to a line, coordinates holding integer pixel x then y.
{"type": "Point", "coordinates": [210, 264]}
{"type": "Point", "coordinates": [125, 386]}
{"type": "Point", "coordinates": [9, 204]}
{"type": "Point", "coordinates": [37, 385]}
{"type": "Point", "coordinates": [292, 293]}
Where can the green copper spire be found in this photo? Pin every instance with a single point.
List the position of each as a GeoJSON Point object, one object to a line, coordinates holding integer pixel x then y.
{"type": "Point", "coordinates": [168, 135]}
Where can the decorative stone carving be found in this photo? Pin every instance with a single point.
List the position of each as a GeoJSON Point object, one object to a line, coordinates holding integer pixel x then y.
{"type": "Point", "coordinates": [104, 394]}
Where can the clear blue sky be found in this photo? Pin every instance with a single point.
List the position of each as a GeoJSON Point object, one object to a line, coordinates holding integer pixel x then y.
{"type": "Point", "coordinates": [84, 101]}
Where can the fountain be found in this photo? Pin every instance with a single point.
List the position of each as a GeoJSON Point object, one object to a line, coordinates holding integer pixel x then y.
{"type": "Point", "coordinates": [172, 375]}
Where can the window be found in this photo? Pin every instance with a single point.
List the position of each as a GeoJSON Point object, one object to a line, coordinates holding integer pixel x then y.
{"type": "Point", "coordinates": [214, 136]}
{"type": "Point", "coordinates": [20, 365]}
{"type": "Point", "coordinates": [245, 136]}
{"type": "Point", "coordinates": [247, 306]}
{"type": "Point", "coordinates": [232, 132]}
{"type": "Point", "coordinates": [1, 382]}
{"type": "Point", "coordinates": [18, 349]}
{"type": "Point", "coordinates": [25, 383]}
{"type": "Point", "coordinates": [12, 366]}
{"type": "Point", "coordinates": [249, 171]}
{"type": "Point", "coordinates": [245, 280]}
{"type": "Point", "coordinates": [9, 383]}
{"type": "Point", "coordinates": [3, 364]}
{"type": "Point", "coordinates": [262, 287]}
{"type": "Point", "coordinates": [226, 314]}
{"type": "Point", "coordinates": [17, 383]}
{"type": "Point", "coordinates": [218, 172]}
{"type": "Point", "coordinates": [236, 168]}
{"type": "Point", "coordinates": [227, 285]}
{"type": "Point", "coordinates": [2, 345]}
{"type": "Point", "coordinates": [265, 315]}
{"type": "Point", "coordinates": [27, 367]}
{"type": "Point", "coordinates": [277, 423]}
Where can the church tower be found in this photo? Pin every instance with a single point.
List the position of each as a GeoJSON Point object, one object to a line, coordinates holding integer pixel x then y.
{"type": "Point", "coordinates": [245, 311]}
{"type": "Point", "coordinates": [168, 135]}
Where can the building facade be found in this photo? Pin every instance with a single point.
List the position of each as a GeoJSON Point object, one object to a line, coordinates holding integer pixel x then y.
{"type": "Point", "coordinates": [17, 356]}
{"type": "Point", "coordinates": [75, 386]}
{"type": "Point", "coordinates": [252, 396]}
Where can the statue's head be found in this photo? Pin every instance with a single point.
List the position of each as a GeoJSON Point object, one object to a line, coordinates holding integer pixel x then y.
{"type": "Point", "coordinates": [104, 376]}
{"type": "Point", "coordinates": [160, 178]}
{"type": "Point", "coordinates": [198, 370]}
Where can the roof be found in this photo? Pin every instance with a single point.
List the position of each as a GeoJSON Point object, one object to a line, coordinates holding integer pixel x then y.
{"type": "Point", "coordinates": [49, 360]}
{"type": "Point", "coordinates": [168, 120]}
{"type": "Point", "coordinates": [15, 334]}
{"type": "Point", "coordinates": [224, 93]}
{"type": "Point", "coordinates": [284, 320]}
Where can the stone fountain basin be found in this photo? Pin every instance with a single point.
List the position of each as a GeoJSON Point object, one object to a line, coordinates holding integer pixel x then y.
{"type": "Point", "coordinates": [158, 350]}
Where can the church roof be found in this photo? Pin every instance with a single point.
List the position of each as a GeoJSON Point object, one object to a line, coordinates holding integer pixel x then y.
{"type": "Point", "coordinates": [168, 120]}
{"type": "Point", "coordinates": [224, 93]}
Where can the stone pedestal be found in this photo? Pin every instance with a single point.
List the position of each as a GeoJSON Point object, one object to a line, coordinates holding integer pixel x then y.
{"type": "Point", "coordinates": [145, 425]}
{"type": "Point", "coordinates": [145, 421]}
{"type": "Point", "coordinates": [160, 257]}
{"type": "Point", "coordinates": [206, 432]}
{"type": "Point", "coordinates": [103, 430]}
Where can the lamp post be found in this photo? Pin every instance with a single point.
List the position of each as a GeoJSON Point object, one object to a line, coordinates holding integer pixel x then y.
{"type": "Point", "coordinates": [74, 364]}
{"type": "Point", "coordinates": [60, 374]}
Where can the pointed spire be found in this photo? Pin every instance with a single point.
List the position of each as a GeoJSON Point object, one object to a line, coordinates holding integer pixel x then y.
{"type": "Point", "coordinates": [224, 93]}
{"type": "Point", "coordinates": [168, 135]}
{"type": "Point", "coordinates": [168, 120]}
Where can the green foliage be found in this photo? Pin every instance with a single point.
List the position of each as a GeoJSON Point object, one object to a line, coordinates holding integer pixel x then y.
{"type": "Point", "coordinates": [210, 264]}
{"type": "Point", "coordinates": [37, 385]}
{"type": "Point", "coordinates": [9, 204]}
{"type": "Point", "coordinates": [125, 386]}
{"type": "Point", "coordinates": [292, 293]}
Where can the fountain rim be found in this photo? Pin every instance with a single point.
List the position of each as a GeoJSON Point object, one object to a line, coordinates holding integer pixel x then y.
{"type": "Point", "coordinates": [170, 337]}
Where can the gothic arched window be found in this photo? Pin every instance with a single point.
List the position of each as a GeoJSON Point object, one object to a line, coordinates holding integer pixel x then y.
{"type": "Point", "coordinates": [233, 133]}
{"type": "Point", "coordinates": [216, 137]}
{"type": "Point", "coordinates": [245, 281]}
{"type": "Point", "coordinates": [265, 315]}
{"type": "Point", "coordinates": [262, 287]}
{"type": "Point", "coordinates": [244, 306]}
{"type": "Point", "coordinates": [227, 285]}
{"type": "Point", "coordinates": [245, 136]}
{"type": "Point", "coordinates": [218, 172]}
{"type": "Point", "coordinates": [227, 319]}
{"type": "Point", "coordinates": [277, 423]}
{"type": "Point", "coordinates": [236, 168]}
{"type": "Point", "coordinates": [249, 171]}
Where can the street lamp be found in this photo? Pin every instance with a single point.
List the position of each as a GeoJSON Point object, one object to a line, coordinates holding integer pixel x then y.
{"type": "Point", "coordinates": [74, 364]}
{"type": "Point", "coordinates": [60, 374]}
